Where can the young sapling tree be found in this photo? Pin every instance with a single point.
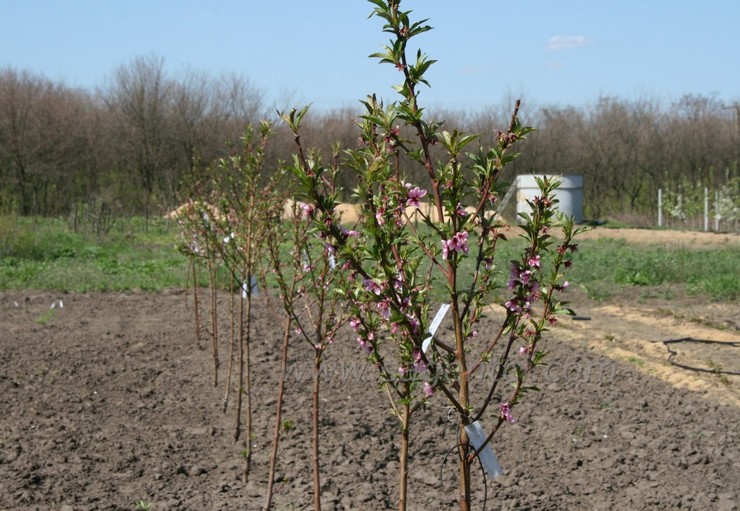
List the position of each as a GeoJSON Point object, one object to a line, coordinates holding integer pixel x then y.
{"type": "Point", "coordinates": [393, 265]}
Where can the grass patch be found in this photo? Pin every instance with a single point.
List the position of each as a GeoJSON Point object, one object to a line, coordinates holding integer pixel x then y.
{"type": "Point", "coordinates": [601, 264]}
{"type": "Point", "coordinates": [46, 254]}
{"type": "Point", "coordinates": [40, 253]}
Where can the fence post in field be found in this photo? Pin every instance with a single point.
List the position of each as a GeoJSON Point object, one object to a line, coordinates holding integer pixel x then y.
{"type": "Point", "coordinates": [706, 209]}
{"type": "Point", "coordinates": [660, 207]}
{"type": "Point", "coordinates": [716, 211]}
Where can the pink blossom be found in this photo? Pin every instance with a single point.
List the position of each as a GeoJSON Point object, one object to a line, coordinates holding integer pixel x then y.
{"type": "Point", "coordinates": [371, 286]}
{"type": "Point", "coordinates": [397, 285]}
{"type": "Point", "coordinates": [379, 216]}
{"type": "Point", "coordinates": [419, 363]}
{"type": "Point", "coordinates": [308, 209]}
{"type": "Point", "coordinates": [447, 247]}
{"type": "Point", "coordinates": [355, 324]}
{"type": "Point", "coordinates": [513, 306]}
{"type": "Point", "coordinates": [462, 241]}
{"type": "Point", "coordinates": [525, 276]}
{"type": "Point", "coordinates": [460, 211]}
{"type": "Point", "coordinates": [366, 344]}
{"type": "Point", "coordinates": [428, 389]}
{"type": "Point", "coordinates": [384, 308]}
{"type": "Point", "coordinates": [534, 261]}
{"type": "Point", "coordinates": [414, 323]}
{"type": "Point", "coordinates": [363, 344]}
{"type": "Point", "coordinates": [414, 194]}
{"type": "Point", "coordinates": [458, 243]}
{"type": "Point", "coordinates": [350, 232]}
{"type": "Point", "coordinates": [506, 413]}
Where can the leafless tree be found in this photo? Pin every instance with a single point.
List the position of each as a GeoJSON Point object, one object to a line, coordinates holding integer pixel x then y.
{"type": "Point", "coordinates": [139, 99]}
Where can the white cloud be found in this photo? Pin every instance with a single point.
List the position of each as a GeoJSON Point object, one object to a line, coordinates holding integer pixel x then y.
{"type": "Point", "coordinates": [565, 42]}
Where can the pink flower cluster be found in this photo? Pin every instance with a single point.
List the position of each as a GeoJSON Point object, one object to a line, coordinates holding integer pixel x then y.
{"type": "Point", "coordinates": [428, 389]}
{"type": "Point", "coordinates": [366, 343]}
{"type": "Point", "coordinates": [458, 243]}
{"type": "Point", "coordinates": [506, 413]}
{"type": "Point", "coordinates": [419, 363]}
{"type": "Point", "coordinates": [414, 195]}
{"type": "Point", "coordinates": [371, 286]}
{"type": "Point", "coordinates": [308, 209]}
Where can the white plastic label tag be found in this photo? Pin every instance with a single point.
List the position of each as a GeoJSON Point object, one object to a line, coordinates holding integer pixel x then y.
{"type": "Point", "coordinates": [477, 436]}
{"type": "Point", "coordinates": [252, 287]}
{"type": "Point", "coordinates": [441, 313]}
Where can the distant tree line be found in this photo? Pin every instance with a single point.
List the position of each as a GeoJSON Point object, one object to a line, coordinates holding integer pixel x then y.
{"type": "Point", "coordinates": [130, 143]}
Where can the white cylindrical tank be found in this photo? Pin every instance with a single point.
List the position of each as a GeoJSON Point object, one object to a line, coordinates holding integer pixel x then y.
{"type": "Point", "coordinates": [569, 193]}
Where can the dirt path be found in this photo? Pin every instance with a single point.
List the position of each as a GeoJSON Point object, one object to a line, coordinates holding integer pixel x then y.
{"type": "Point", "coordinates": [636, 335]}
{"type": "Point", "coordinates": [694, 239]}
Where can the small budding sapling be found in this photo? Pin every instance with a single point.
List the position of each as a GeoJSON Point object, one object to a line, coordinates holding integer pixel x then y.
{"type": "Point", "coordinates": [308, 280]}
{"type": "Point", "coordinates": [392, 265]}
{"type": "Point", "coordinates": [228, 232]}
{"type": "Point", "coordinates": [197, 241]}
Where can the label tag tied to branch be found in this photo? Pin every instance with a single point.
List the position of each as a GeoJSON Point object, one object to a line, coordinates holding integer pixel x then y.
{"type": "Point", "coordinates": [251, 289]}
{"type": "Point", "coordinates": [441, 313]}
{"type": "Point", "coordinates": [487, 457]}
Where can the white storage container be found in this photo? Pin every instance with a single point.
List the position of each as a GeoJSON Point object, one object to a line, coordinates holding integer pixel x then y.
{"type": "Point", "coordinates": [569, 193]}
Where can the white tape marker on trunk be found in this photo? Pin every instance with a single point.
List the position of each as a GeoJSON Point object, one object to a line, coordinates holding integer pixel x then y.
{"type": "Point", "coordinates": [252, 287]}
{"type": "Point", "coordinates": [477, 436]}
{"type": "Point", "coordinates": [441, 313]}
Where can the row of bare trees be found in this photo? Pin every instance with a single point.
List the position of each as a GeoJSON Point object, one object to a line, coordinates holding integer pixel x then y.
{"type": "Point", "coordinates": [130, 142]}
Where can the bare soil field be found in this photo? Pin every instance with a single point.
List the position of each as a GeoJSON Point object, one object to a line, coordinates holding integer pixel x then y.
{"type": "Point", "coordinates": [109, 399]}
{"type": "Point", "coordinates": [695, 239]}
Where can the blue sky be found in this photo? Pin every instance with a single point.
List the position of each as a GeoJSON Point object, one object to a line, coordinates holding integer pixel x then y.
{"type": "Point", "coordinates": [550, 52]}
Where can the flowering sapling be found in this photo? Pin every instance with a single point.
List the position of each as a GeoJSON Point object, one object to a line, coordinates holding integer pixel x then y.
{"type": "Point", "coordinates": [230, 230]}
{"type": "Point", "coordinates": [392, 265]}
{"type": "Point", "coordinates": [190, 242]}
{"type": "Point", "coordinates": [308, 280]}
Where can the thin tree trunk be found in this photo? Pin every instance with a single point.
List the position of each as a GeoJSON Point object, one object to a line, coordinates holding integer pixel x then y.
{"type": "Point", "coordinates": [240, 387]}
{"type": "Point", "coordinates": [464, 445]}
{"type": "Point", "coordinates": [214, 320]}
{"type": "Point", "coordinates": [404, 455]}
{"type": "Point", "coordinates": [248, 388]}
{"type": "Point", "coordinates": [316, 474]}
{"type": "Point", "coordinates": [278, 416]}
{"type": "Point", "coordinates": [231, 351]}
{"type": "Point", "coordinates": [196, 299]}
